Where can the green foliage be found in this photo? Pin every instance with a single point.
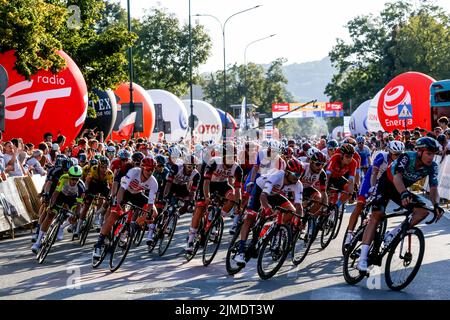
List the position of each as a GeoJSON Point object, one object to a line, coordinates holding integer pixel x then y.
{"type": "Point", "coordinates": [401, 38]}
{"type": "Point", "coordinates": [161, 56]}
{"type": "Point", "coordinates": [262, 87]}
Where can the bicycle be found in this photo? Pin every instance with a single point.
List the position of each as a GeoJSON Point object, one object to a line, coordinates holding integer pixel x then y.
{"type": "Point", "coordinates": [340, 215]}
{"type": "Point", "coordinates": [52, 232]}
{"type": "Point", "coordinates": [165, 226]}
{"type": "Point", "coordinates": [311, 225]}
{"type": "Point", "coordinates": [87, 225]}
{"type": "Point", "coordinates": [402, 241]}
{"type": "Point", "coordinates": [210, 231]}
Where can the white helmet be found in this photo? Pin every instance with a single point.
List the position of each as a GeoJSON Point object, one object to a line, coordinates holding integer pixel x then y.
{"type": "Point", "coordinates": [275, 146]}
{"type": "Point", "coordinates": [175, 153]}
{"type": "Point", "coordinates": [265, 143]}
{"type": "Point", "coordinates": [311, 151]}
{"type": "Point", "coordinates": [396, 146]}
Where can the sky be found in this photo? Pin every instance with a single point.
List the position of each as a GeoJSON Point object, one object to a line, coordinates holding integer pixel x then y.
{"type": "Point", "coordinates": [306, 30]}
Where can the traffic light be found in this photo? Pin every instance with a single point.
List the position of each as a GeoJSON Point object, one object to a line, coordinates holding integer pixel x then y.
{"type": "Point", "coordinates": [3, 86]}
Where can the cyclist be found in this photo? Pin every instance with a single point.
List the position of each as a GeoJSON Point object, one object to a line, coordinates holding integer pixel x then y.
{"type": "Point", "coordinates": [161, 173]}
{"type": "Point", "coordinates": [137, 181]}
{"type": "Point", "coordinates": [98, 181]}
{"type": "Point", "coordinates": [329, 151]}
{"type": "Point", "coordinates": [111, 153]}
{"type": "Point", "coordinates": [120, 167]}
{"type": "Point", "coordinates": [217, 175]}
{"type": "Point", "coordinates": [410, 167]}
{"type": "Point", "coordinates": [70, 191]}
{"type": "Point", "coordinates": [270, 192]}
{"type": "Point", "coordinates": [340, 164]}
{"type": "Point", "coordinates": [365, 153]}
{"type": "Point", "coordinates": [380, 163]}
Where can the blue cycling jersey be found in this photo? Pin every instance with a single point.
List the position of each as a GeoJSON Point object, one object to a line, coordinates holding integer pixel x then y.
{"type": "Point", "coordinates": [364, 153]}
{"type": "Point", "coordinates": [406, 164]}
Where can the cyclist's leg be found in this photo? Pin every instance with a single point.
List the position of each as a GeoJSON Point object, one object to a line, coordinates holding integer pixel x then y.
{"type": "Point", "coordinates": [313, 194]}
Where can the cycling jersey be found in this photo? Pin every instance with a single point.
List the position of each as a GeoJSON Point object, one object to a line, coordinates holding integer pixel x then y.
{"type": "Point", "coordinates": [365, 154]}
{"type": "Point", "coordinates": [216, 171]}
{"type": "Point", "coordinates": [356, 156]}
{"type": "Point", "coordinates": [133, 184]}
{"type": "Point", "coordinates": [178, 177]}
{"type": "Point", "coordinates": [310, 179]}
{"type": "Point", "coordinates": [123, 166]}
{"type": "Point", "coordinates": [66, 189]}
{"type": "Point", "coordinates": [406, 164]}
{"type": "Point", "coordinates": [336, 170]}
{"type": "Point", "coordinates": [94, 174]}
{"type": "Point", "coordinates": [274, 184]}
{"type": "Point", "coordinates": [267, 164]}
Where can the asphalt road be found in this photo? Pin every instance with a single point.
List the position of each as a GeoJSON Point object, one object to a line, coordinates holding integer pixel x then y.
{"type": "Point", "coordinates": [67, 273]}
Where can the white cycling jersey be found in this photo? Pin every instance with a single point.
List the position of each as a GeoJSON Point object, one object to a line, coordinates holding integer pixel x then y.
{"type": "Point", "coordinates": [133, 184]}
{"type": "Point", "coordinates": [274, 184]}
{"type": "Point", "coordinates": [268, 164]}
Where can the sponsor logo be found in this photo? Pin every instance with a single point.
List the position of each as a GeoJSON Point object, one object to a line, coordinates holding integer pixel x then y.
{"type": "Point", "coordinates": [394, 97]}
{"type": "Point", "coordinates": [280, 107]}
{"type": "Point", "coordinates": [183, 121]}
{"type": "Point", "coordinates": [208, 129]}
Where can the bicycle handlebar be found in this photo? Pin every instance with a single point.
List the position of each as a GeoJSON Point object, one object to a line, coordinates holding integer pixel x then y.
{"type": "Point", "coordinates": [412, 205]}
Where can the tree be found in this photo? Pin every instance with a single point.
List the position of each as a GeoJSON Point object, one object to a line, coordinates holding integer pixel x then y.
{"type": "Point", "coordinates": [262, 87]}
{"type": "Point", "coordinates": [161, 56]}
{"type": "Point", "coordinates": [36, 29]}
{"type": "Point", "coordinates": [402, 38]}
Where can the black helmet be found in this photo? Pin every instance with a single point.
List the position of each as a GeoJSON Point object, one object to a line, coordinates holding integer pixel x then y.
{"type": "Point", "coordinates": [347, 148]}
{"type": "Point", "coordinates": [59, 159]}
{"type": "Point", "coordinates": [104, 161]}
{"type": "Point", "coordinates": [441, 138]}
{"type": "Point", "coordinates": [66, 164]}
{"type": "Point", "coordinates": [82, 157]}
{"type": "Point", "coordinates": [137, 157]}
{"type": "Point", "coordinates": [427, 143]}
{"type": "Point", "coordinates": [93, 162]}
{"type": "Point", "coordinates": [161, 160]}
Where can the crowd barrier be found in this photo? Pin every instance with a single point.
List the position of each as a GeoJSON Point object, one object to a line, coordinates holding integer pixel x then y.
{"type": "Point", "coordinates": [19, 202]}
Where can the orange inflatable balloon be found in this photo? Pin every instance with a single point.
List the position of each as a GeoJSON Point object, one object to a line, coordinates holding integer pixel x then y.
{"type": "Point", "coordinates": [139, 96]}
{"type": "Point", "coordinates": [55, 103]}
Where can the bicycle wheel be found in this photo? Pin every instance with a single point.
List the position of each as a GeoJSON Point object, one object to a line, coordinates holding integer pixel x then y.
{"type": "Point", "coordinates": [49, 240]}
{"type": "Point", "coordinates": [212, 241]}
{"type": "Point", "coordinates": [274, 250]}
{"type": "Point", "coordinates": [197, 240]}
{"type": "Point", "coordinates": [340, 216]}
{"type": "Point", "coordinates": [104, 250]}
{"type": "Point", "coordinates": [233, 249]}
{"type": "Point", "coordinates": [302, 242]}
{"type": "Point", "coordinates": [88, 226]}
{"type": "Point", "coordinates": [351, 274]}
{"type": "Point", "coordinates": [404, 259]}
{"type": "Point", "coordinates": [120, 247]}
{"type": "Point", "coordinates": [168, 231]}
{"type": "Point", "coordinates": [328, 227]}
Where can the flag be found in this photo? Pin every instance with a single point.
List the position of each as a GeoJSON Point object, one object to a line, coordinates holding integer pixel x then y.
{"type": "Point", "coordinates": [126, 127]}
{"type": "Point", "coordinates": [242, 116]}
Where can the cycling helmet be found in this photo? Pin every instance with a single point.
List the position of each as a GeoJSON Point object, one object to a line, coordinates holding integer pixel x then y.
{"type": "Point", "coordinates": [111, 149]}
{"type": "Point", "coordinates": [160, 159]}
{"type": "Point", "coordinates": [175, 152]}
{"type": "Point", "coordinates": [82, 157]}
{"type": "Point", "coordinates": [93, 162]}
{"type": "Point", "coordinates": [288, 151]}
{"type": "Point", "coordinates": [318, 157]}
{"type": "Point", "coordinates": [265, 144]}
{"type": "Point", "coordinates": [311, 152]}
{"type": "Point", "coordinates": [291, 141]}
{"type": "Point", "coordinates": [347, 148]}
{"type": "Point", "coordinates": [66, 164]}
{"type": "Point", "coordinates": [124, 154]}
{"type": "Point", "coordinates": [137, 156]}
{"type": "Point", "coordinates": [360, 139]}
{"type": "Point", "coordinates": [59, 159]}
{"type": "Point", "coordinates": [104, 161]}
{"type": "Point", "coordinates": [275, 146]}
{"type": "Point", "coordinates": [395, 146]}
{"type": "Point", "coordinates": [332, 144]}
{"type": "Point", "coordinates": [75, 172]}
{"type": "Point", "coordinates": [190, 160]}
{"type": "Point", "coordinates": [148, 163]}
{"type": "Point", "coordinates": [306, 146]}
{"type": "Point", "coordinates": [441, 138]}
{"type": "Point", "coordinates": [74, 161]}
{"type": "Point", "coordinates": [294, 166]}
{"type": "Point", "coordinates": [427, 143]}
{"type": "Point", "coordinates": [350, 141]}
{"type": "Point", "coordinates": [97, 156]}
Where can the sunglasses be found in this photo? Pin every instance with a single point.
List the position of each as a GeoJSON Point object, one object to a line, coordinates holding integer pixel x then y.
{"type": "Point", "coordinates": [147, 168]}
{"type": "Point", "coordinates": [349, 156]}
{"type": "Point", "coordinates": [318, 163]}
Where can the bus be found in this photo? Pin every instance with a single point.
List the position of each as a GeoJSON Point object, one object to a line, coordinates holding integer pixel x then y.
{"type": "Point", "coordinates": [439, 101]}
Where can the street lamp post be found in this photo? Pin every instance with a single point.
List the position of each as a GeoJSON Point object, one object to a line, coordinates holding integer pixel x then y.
{"type": "Point", "coordinates": [224, 62]}
{"type": "Point", "coordinates": [130, 62]}
{"type": "Point", "coordinates": [191, 118]}
{"type": "Point", "coordinates": [245, 75]}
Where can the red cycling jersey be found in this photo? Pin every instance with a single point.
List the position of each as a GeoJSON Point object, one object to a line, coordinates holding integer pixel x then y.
{"type": "Point", "coordinates": [356, 157]}
{"type": "Point", "coordinates": [124, 166]}
{"type": "Point", "coordinates": [337, 170]}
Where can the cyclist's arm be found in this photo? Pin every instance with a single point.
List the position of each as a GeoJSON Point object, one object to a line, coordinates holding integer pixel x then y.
{"type": "Point", "coordinates": [398, 183]}
{"type": "Point", "coordinates": [264, 201]}
{"type": "Point", "coordinates": [373, 177]}
{"type": "Point", "coordinates": [120, 195]}
{"type": "Point", "coordinates": [434, 195]}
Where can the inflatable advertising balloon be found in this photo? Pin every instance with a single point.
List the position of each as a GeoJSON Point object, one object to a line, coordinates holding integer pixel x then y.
{"type": "Point", "coordinates": [106, 110]}
{"type": "Point", "coordinates": [55, 103]}
{"type": "Point", "coordinates": [148, 110]}
{"type": "Point", "coordinates": [373, 123]}
{"type": "Point", "coordinates": [338, 129]}
{"type": "Point", "coordinates": [171, 116]}
{"type": "Point", "coordinates": [406, 98]}
{"type": "Point", "coordinates": [231, 123]}
{"type": "Point", "coordinates": [358, 119]}
{"type": "Point", "coordinates": [207, 124]}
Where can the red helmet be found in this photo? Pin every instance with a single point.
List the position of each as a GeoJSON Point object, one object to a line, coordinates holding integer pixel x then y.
{"type": "Point", "coordinates": [319, 157]}
{"type": "Point", "coordinates": [347, 148]}
{"type": "Point", "coordinates": [306, 146]}
{"type": "Point", "coordinates": [288, 151]}
{"type": "Point", "coordinates": [148, 163]}
{"type": "Point", "coordinates": [294, 166]}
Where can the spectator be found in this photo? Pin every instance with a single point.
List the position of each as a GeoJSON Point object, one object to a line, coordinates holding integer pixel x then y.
{"type": "Point", "coordinates": [48, 137]}
{"type": "Point", "coordinates": [46, 159]}
{"type": "Point", "coordinates": [82, 143]}
{"type": "Point", "coordinates": [443, 123]}
{"type": "Point", "coordinates": [437, 131]}
{"type": "Point", "coordinates": [33, 164]}
{"type": "Point", "coordinates": [10, 157]}
{"type": "Point", "coordinates": [54, 152]}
